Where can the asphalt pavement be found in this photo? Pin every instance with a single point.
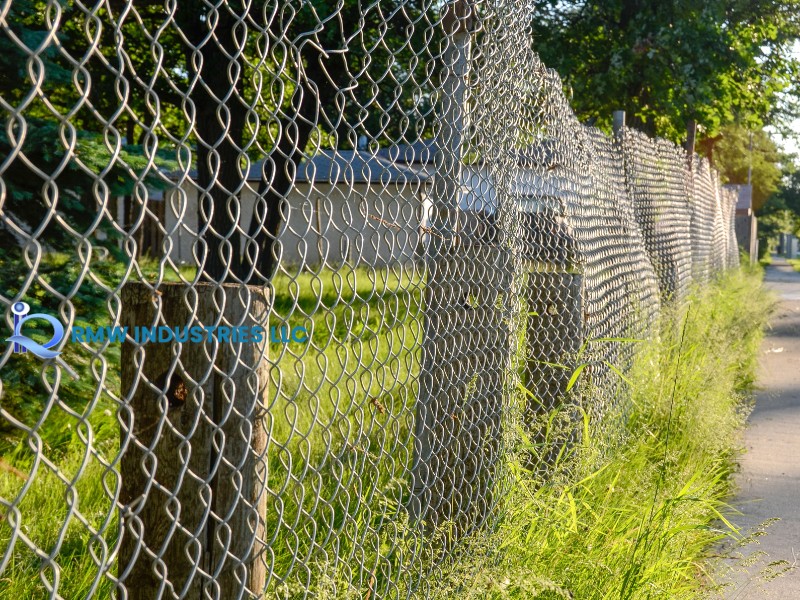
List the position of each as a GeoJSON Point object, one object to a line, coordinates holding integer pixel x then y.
{"type": "Point", "coordinates": [768, 484]}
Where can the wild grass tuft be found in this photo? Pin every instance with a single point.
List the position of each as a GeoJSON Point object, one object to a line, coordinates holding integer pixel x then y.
{"type": "Point", "coordinates": [641, 524]}
{"type": "Point", "coordinates": [629, 515]}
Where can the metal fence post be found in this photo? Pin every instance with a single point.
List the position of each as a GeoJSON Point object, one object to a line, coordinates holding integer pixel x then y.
{"type": "Point", "coordinates": [460, 389]}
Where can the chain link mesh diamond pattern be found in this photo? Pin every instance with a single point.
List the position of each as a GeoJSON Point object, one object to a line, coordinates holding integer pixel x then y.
{"type": "Point", "coordinates": [398, 196]}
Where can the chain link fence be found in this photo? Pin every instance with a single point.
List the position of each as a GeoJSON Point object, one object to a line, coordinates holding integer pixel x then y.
{"type": "Point", "coordinates": [315, 266]}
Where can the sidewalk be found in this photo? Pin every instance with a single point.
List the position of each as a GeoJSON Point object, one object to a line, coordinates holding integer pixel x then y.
{"type": "Point", "coordinates": [768, 485]}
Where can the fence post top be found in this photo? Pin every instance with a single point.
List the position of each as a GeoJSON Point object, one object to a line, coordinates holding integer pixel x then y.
{"type": "Point", "coordinates": [458, 17]}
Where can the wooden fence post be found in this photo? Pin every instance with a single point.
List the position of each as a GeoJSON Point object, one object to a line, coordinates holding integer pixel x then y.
{"type": "Point", "coordinates": [193, 464]}
{"type": "Point", "coordinates": [691, 135]}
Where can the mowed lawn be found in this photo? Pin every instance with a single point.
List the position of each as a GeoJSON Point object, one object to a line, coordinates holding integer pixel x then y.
{"type": "Point", "coordinates": [340, 421]}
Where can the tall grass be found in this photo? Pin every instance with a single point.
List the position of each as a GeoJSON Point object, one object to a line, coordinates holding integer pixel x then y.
{"type": "Point", "coordinates": [640, 524]}
{"type": "Point", "coordinates": [632, 526]}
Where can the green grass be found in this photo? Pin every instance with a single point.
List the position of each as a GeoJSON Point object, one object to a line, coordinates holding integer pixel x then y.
{"type": "Point", "coordinates": [341, 423]}
{"type": "Point", "coordinates": [640, 525]}
{"type": "Point", "coordinates": [340, 420]}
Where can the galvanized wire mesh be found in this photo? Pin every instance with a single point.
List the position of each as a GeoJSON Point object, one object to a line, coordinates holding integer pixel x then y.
{"type": "Point", "coordinates": [658, 184]}
{"type": "Point", "coordinates": [401, 199]}
{"type": "Point", "coordinates": [728, 200]}
{"type": "Point", "coordinates": [704, 209]}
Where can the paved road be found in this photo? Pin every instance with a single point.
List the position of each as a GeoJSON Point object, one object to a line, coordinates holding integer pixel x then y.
{"type": "Point", "coordinates": [769, 480]}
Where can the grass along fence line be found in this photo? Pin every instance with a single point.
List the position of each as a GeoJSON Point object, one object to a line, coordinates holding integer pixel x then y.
{"type": "Point", "coordinates": [627, 516]}
{"type": "Point", "coordinates": [340, 418]}
{"type": "Point", "coordinates": [641, 523]}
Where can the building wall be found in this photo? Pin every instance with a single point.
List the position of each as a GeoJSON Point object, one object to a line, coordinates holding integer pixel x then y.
{"type": "Point", "coordinates": [324, 223]}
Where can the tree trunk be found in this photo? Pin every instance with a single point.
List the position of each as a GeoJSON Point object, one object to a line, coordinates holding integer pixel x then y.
{"type": "Point", "coordinates": [315, 89]}
{"type": "Point", "coordinates": [220, 114]}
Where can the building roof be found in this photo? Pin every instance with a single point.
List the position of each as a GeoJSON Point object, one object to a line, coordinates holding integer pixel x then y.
{"type": "Point", "coordinates": [360, 166]}
{"type": "Point", "coordinates": [398, 163]}
{"type": "Point", "coordinates": [744, 203]}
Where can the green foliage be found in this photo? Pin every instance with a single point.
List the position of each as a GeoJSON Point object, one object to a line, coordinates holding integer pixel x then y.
{"type": "Point", "coordinates": [781, 213]}
{"type": "Point", "coordinates": [789, 194]}
{"type": "Point", "coordinates": [733, 158]}
{"type": "Point", "coordinates": [87, 177]}
{"type": "Point", "coordinates": [641, 523]}
{"type": "Point", "coordinates": [26, 380]}
{"type": "Point", "coordinates": [664, 63]}
{"type": "Point", "coordinates": [773, 220]}
{"type": "Point", "coordinates": [70, 169]}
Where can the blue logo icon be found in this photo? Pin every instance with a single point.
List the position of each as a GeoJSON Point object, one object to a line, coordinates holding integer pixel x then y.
{"type": "Point", "coordinates": [23, 343]}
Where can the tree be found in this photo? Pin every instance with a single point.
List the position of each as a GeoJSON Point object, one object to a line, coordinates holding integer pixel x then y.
{"type": "Point", "coordinates": [272, 84]}
{"type": "Point", "coordinates": [226, 83]}
{"type": "Point", "coordinates": [734, 157]}
{"type": "Point", "coordinates": [343, 66]}
{"type": "Point", "coordinates": [781, 212]}
{"type": "Point", "coordinates": [40, 147]}
{"type": "Point", "coordinates": [668, 62]}
{"type": "Point", "coordinates": [789, 194]}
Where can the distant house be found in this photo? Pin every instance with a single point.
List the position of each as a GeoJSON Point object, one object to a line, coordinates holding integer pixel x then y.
{"type": "Point", "coordinates": [746, 222]}
{"type": "Point", "coordinates": [373, 207]}
{"type": "Point", "coordinates": [350, 206]}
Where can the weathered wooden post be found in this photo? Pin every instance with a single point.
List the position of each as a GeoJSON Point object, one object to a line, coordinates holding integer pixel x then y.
{"type": "Point", "coordinates": [193, 465]}
{"type": "Point", "coordinates": [691, 135]}
{"type": "Point", "coordinates": [464, 346]}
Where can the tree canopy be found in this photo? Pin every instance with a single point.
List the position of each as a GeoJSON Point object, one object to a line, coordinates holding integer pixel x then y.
{"type": "Point", "coordinates": [717, 62]}
{"type": "Point", "coordinates": [738, 153]}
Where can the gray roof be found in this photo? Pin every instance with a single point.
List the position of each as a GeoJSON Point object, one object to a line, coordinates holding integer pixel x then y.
{"type": "Point", "coordinates": [395, 164]}
{"type": "Point", "coordinates": [421, 152]}
{"type": "Point", "coordinates": [358, 166]}
{"type": "Point", "coordinates": [399, 163]}
{"type": "Point", "coordinates": [745, 195]}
